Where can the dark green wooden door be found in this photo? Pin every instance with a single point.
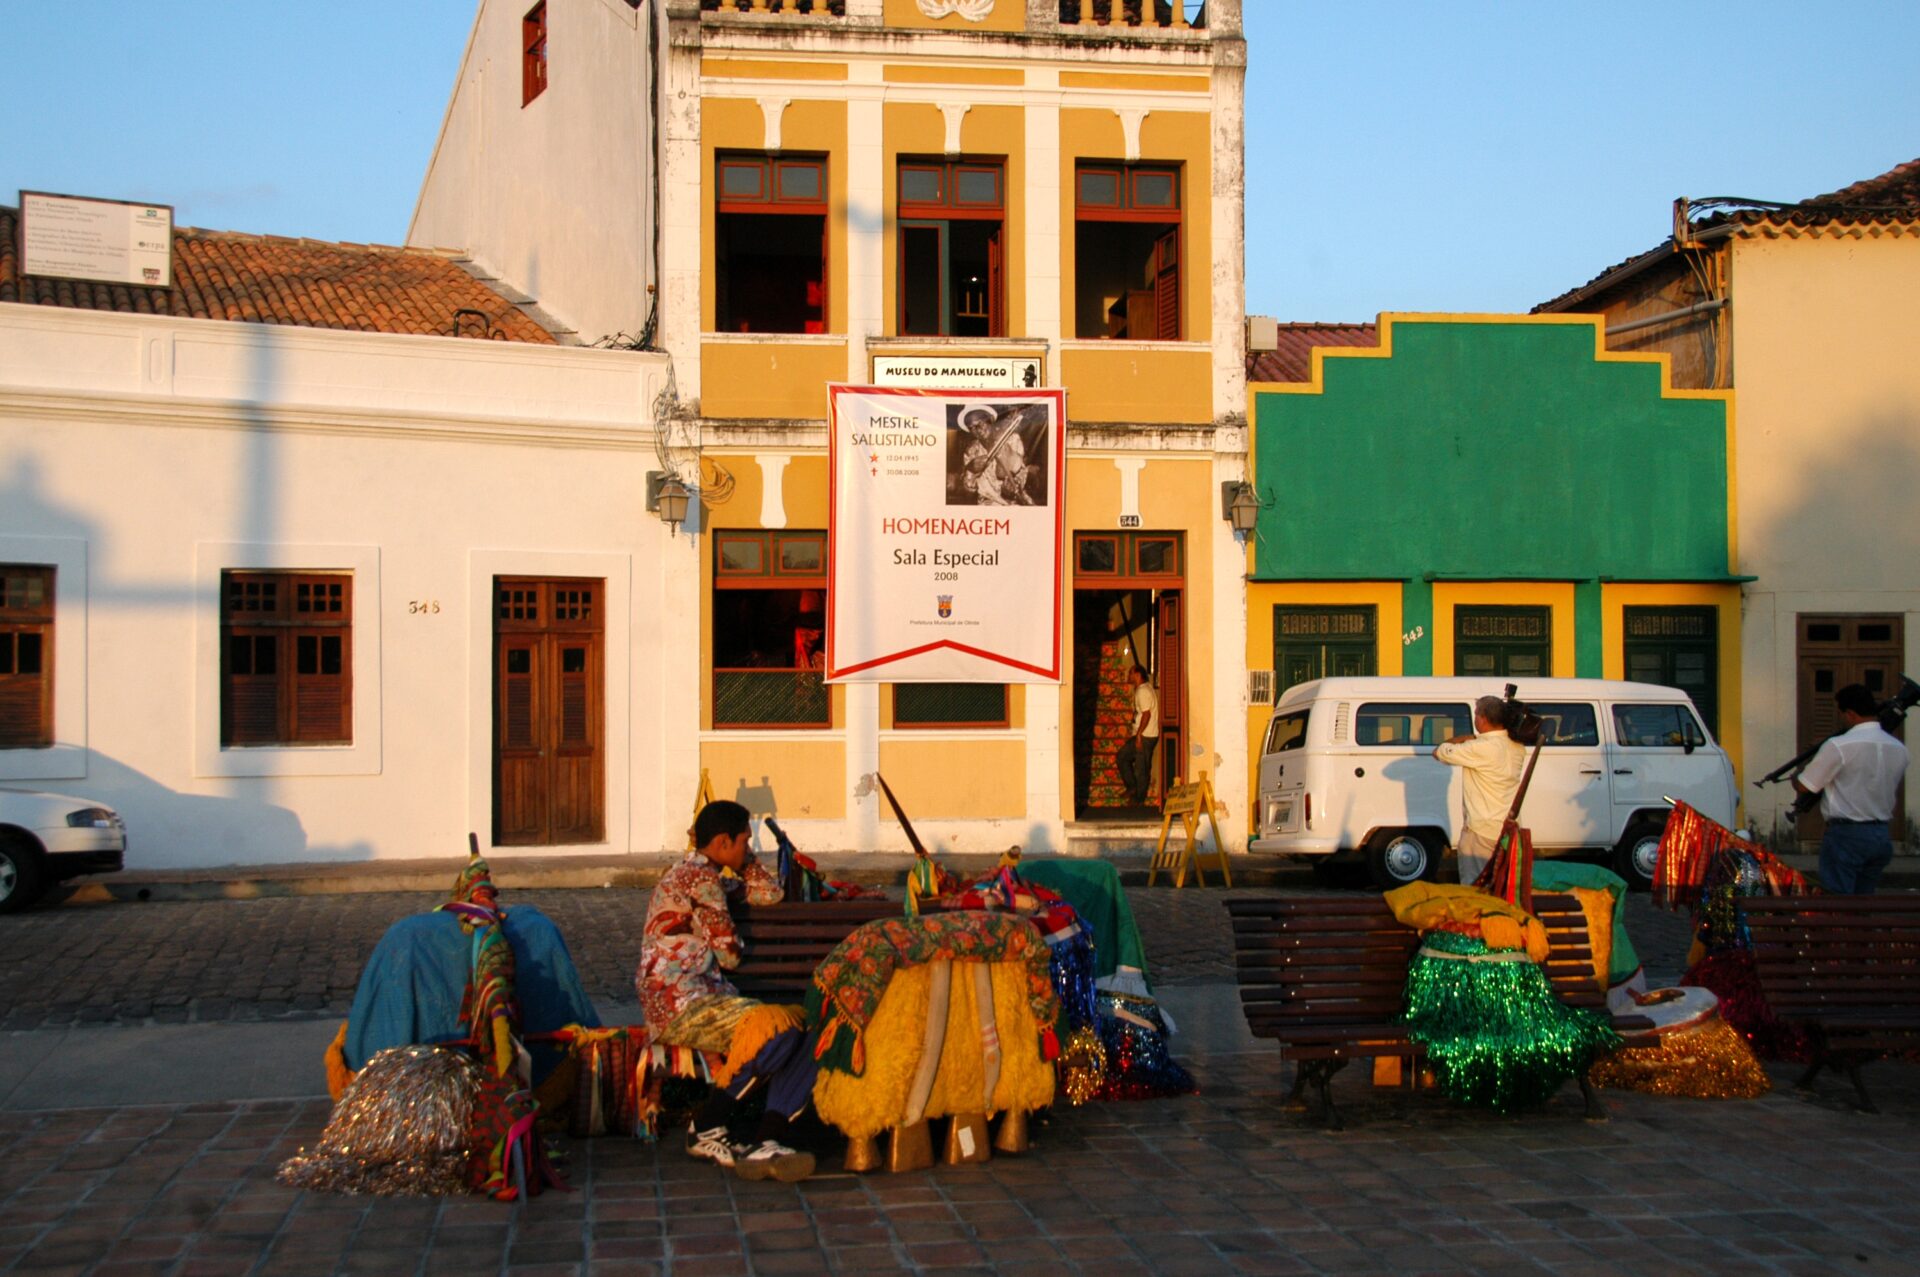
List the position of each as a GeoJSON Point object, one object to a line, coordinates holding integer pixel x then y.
{"type": "Point", "coordinates": [1677, 647]}
{"type": "Point", "coordinates": [1323, 642]}
{"type": "Point", "coordinates": [1503, 642]}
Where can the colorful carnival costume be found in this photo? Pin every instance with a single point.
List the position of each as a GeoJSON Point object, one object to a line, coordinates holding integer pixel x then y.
{"type": "Point", "coordinates": [1707, 868]}
{"type": "Point", "coordinates": [448, 977]}
{"type": "Point", "coordinates": [1479, 1003]}
{"type": "Point", "coordinates": [945, 1014]}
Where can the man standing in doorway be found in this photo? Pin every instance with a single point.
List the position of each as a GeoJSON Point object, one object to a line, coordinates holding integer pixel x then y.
{"type": "Point", "coordinates": [1857, 775]}
{"type": "Point", "coordinates": [1491, 763]}
{"type": "Point", "coordinates": [1135, 759]}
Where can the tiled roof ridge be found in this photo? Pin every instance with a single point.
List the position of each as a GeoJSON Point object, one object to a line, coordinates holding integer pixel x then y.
{"type": "Point", "coordinates": [1863, 191]}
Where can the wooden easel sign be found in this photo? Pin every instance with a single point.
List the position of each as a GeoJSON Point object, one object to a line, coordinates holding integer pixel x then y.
{"type": "Point", "coordinates": [1189, 801]}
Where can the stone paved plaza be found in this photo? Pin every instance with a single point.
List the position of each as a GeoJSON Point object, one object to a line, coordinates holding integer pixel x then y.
{"type": "Point", "coordinates": [1219, 1183]}
{"type": "Point", "coordinates": [1225, 1181]}
{"type": "Point", "coordinates": [299, 957]}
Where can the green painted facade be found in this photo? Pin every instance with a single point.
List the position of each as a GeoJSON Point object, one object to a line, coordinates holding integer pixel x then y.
{"type": "Point", "coordinates": [1491, 450]}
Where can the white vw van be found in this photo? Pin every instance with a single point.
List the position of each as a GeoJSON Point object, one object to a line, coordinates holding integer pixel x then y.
{"type": "Point", "coordinates": [1348, 771]}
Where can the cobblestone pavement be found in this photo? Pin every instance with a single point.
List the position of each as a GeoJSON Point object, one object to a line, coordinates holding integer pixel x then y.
{"type": "Point", "coordinates": [1220, 1183]}
{"type": "Point", "coordinates": [300, 956]}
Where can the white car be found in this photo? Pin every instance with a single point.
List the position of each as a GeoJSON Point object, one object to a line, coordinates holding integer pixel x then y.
{"type": "Point", "coordinates": [48, 838]}
{"type": "Point", "coordinates": [1348, 771]}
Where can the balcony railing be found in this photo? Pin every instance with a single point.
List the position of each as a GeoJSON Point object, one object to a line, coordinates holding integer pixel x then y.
{"type": "Point", "coordinates": [1073, 16]}
{"type": "Point", "coordinates": [789, 8]}
{"type": "Point", "coordinates": [1170, 15]}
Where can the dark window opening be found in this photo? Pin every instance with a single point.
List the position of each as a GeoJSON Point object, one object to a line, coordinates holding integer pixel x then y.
{"type": "Point", "coordinates": [770, 629]}
{"type": "Point", "coordinates": [951, 267]}
{"type": "Point", "coordinates": [770, 245]}
{"type": "Point", "coordinates": [1127, 252]}
{"type": "Point", "coordinates": [533, 53]}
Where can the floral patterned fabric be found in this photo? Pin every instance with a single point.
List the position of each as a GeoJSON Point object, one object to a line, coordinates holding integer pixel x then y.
{"type": "Point", "coordinates": [849, 983]}
{"type": "Point", "coordinates": [689, 942]}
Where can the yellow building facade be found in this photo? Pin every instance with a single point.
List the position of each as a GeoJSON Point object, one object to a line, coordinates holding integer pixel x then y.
{"type": "Point", "coordinates": [1017, 186]}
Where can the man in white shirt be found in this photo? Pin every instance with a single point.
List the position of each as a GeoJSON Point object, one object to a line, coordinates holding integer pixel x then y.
{"type": "Point", "coordinates": [1135, 759]}
{"type": "Point", "coordinates": [1857, 775]}
{"type": "Point", "coordinates": [1490, 762]}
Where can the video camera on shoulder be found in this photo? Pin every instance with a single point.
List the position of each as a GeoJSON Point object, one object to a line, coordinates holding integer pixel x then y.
{"type": "Point", "coordinates": [1893, 710]}
{"type": "Point", "coordinates": [1522, 724]}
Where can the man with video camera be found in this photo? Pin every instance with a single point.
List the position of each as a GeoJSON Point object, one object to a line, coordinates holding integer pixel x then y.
{"type": "Point", "coordinates": [1857, 775]}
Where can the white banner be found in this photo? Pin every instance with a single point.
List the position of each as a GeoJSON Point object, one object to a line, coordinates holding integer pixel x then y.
{"type": "Point", "coordinates": [944, 541]}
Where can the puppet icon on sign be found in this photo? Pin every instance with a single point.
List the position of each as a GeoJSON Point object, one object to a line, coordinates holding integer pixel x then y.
{"type": "Point", "coordinates": [996, 454]}
{"type": "Point", "coordinates": [1029, 376]}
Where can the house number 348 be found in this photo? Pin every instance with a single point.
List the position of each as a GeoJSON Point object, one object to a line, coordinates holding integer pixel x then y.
{"type": "Point", "coordinates": [423, 607]}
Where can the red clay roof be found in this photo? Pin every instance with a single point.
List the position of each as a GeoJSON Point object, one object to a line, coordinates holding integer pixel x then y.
{"type": "Point", "coordinates": [267, 279]}
{"type": "Point", "coordinates": [1292, 360]}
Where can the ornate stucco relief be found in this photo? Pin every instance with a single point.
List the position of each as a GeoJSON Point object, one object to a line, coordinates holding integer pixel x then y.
{"type": "Point", "coordinates": [971, 10]}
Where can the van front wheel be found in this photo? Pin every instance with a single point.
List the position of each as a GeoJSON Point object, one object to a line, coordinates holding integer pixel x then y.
{"type": "Point", "coordinates": [1638, 854]}
{"type": "Point", "coordinates": [1396, 857]}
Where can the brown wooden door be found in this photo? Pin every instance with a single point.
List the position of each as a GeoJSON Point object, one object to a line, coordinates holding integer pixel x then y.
{"type": "Point", "coordinates": [1170, 634]}
{"type": "Point", "coordinates": [548, 712]}
{"type": "Point", "coordinates": [1833, 651]}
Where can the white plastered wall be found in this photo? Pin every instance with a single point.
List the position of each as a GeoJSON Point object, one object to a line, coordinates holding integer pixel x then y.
{"type": "Point", "coordinates": [142, 495]}
{"type": "Point", "coordinates": [554, 197]}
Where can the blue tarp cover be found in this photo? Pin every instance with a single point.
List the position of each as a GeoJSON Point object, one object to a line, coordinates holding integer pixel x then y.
{"type": "Point", "coordinates": [410, 989]}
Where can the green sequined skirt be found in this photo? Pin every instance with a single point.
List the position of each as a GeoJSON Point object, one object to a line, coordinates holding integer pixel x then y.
{"type": "Point", "coordinates": [1494, 1030]}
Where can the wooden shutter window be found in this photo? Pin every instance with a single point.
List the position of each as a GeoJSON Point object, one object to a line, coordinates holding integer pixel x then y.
{"type": "Point", "coordinates": [26, 656]}
{"type": "Point", "coordinates": [286, 647]}
{"type": "Point", "coordinates": [533, 53]}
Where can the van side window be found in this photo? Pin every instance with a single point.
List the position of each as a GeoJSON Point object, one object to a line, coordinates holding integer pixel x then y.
{"type": "Point", "coordinates": [1671, 726]}
{"type": "Point", "coordinates": [1566, 722]}
{"type": "Point", "coordinates": [1410, 723]}
{"type": "Point", "coordinates": [1287, 731]}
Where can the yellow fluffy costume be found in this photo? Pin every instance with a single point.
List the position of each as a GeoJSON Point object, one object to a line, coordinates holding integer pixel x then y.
{"type": "Point", "coordinates": [876, 1100]}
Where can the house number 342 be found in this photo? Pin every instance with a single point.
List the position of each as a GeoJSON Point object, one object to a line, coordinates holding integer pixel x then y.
{"type": "Point", "coordinates": [423, 607]}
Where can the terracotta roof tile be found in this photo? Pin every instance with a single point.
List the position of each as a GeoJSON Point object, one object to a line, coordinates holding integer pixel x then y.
{"type": "Point", "coordinates": [1891, 199]}
{"type": "Point", "coordinates": [1292, 358]}
{"type": "Point", "coordinates": [271, 279]}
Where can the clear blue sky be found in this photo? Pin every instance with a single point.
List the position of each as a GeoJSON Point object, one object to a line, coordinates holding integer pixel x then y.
{"type": "Point", "coordinates": [1400, 156]}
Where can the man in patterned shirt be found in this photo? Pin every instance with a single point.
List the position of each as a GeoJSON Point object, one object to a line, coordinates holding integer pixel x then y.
{"type": "Point", "coordinates": [688, 945]}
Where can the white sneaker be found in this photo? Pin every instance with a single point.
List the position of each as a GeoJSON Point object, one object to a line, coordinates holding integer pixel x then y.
{"type": "Point", "coordinates": [770, 1159]}
{"type": "Point", "coordinates": [713, 1145]}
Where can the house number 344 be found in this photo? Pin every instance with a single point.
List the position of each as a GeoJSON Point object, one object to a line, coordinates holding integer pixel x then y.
{"type": "Point", "coordinates": [423, 607]}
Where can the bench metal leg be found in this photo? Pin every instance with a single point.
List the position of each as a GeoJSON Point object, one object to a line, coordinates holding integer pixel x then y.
{"type": "Point", "coordinates": [1813, 1071]}
{"type": "Point", "coordinates": [1295, 1100]}
{"type": "Point", "coordinates": [1320, 1074]}
{"type": "Point", "coordinates": [1596, 1110]}
{"type": "Point", "coordinates": [1859, 1087]}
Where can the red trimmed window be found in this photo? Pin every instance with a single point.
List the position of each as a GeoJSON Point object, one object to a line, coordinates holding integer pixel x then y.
{"type": "Point", "coordinates": [1126, 244]}
{"type": "Point", "coordinates": [770, 629]}
{"type": "Point", "coordinates": [770, 244]}
{"type": "Point", "coordinates": [951, 248]}
{"type": "Point", "coordinates": [286, 658]}
{"type": "Point", "coordinates": [533, 53]}
{"type": "Point", "coordinates": [26, 656]}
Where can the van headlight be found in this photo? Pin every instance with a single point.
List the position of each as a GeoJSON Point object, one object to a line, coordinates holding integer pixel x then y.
{"type": "Point", "coordinates": [93, 818]}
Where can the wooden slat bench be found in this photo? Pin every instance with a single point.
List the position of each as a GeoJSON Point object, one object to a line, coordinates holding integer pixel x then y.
{"type": "Point", "coordinates": [785, 942]}
{"type": "Point", "coordinates": [1325, 976]}
{"type": "Point", "coordinates": [1844, 968]}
